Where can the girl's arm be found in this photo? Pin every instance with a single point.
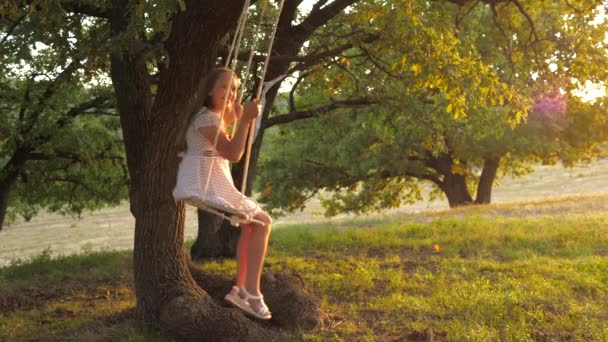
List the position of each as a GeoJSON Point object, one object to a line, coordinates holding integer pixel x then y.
{"type": "Point", "coordinates": [232, 149]}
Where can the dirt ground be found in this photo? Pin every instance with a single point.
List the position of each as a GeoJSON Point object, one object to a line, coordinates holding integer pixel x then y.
{"type": "Point", "coordinates": [113, 228]}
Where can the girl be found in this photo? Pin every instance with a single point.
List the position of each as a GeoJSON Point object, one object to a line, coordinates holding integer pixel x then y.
{"type": "Point", "coordinates": [196, 162]}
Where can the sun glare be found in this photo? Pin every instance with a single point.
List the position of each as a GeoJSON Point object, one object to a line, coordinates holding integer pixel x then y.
{"type": "Point", "coordinates": [591, 91]}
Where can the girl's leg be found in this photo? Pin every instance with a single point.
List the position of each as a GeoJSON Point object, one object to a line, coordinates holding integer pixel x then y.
{"type": "Point", "coordinates": [242, 252]}
{"type": "Point", "coordinates": [257, 244]}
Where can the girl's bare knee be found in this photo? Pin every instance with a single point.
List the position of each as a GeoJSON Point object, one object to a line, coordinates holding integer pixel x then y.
{"type": "Point", "coordinates": [267, 227]}
{"type": "Point", "coordinates": [264, 217]}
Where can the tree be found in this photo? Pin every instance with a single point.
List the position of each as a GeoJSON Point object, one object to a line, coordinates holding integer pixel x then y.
{"type": "Point", "coordinates": [166, 291]}
{"type": "Point", "coordinates": [60, 145]}
{"type": "Point", "coordinates": [158, 53]}
{"type": "Point", "coordinates": [462, 96]}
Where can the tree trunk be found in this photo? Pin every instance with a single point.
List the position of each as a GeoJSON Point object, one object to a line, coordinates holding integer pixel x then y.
{"type": "Point", "coordinates": [166, 293]}
{"type": "Point", "coordinates": [216, 237]}
{"type": "Point", "coordinates": [8, 177]}
{"type": "Point", "coordinates": [453, 185]}
{"type": "Point", "coordinates": [455, 189]}
{"type": "Point", "coordinates": [486, 180]}
{"type": "Point", "coordinates": [5, 189]}
{"type": "Point", "coordinates": [207, 244]}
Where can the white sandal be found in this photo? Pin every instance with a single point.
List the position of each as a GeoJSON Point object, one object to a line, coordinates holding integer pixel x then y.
{"type": "Point", "coordinates": [243, 303]}
{"type": "Point", "coordinates": [233, 298]}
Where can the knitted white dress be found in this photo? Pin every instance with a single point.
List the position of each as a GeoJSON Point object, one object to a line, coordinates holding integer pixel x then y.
{"type": "Point", "coordinates": [200, 158]}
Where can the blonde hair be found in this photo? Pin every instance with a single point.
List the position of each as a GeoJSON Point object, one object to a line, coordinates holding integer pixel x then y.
{"type": "Point", "coordinates": [200, 99]}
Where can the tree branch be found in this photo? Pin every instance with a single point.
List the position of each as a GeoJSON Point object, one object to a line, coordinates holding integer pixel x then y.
{"type": "Point", "coordinates": [77, 182]}
{"type": "Point", "coordinates": [85, 8]}
{"type": "Point", "coordinates": [93, 103]}
{"type": "Point", "coordinates": [12, 28]}
{"type": "Point", "coordinates": [311, 60]}
{"type": "Point", "coordinates": [50, 90]}
{"type": "Point", "coordinates": [459, 19]}
{"type": "Point", "coordinates": [293, 116]}
{"type": "Point", "coordinates": [307, 59]}
{"type": "Point", "coordinates": [530, 21]}
{"type": "Point", "coordinates": [292, 101]}
{"type": "Point", "coordinates": [320, 16]}
{"type": "Point", "coordinates": [464, 2]}
{"type": "Point", "coordinates": [81, 7]}
{"type": "Point", "coordinates": [573, 7]}
{"type": "Point", "coordinates": [26, 98]}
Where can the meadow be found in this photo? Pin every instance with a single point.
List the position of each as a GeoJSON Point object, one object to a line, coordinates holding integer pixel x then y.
{"type": "Point", "coordinates": [527, 270]}
{"type": "Point", "coordinates": [478, 278]}
{"type": "Point", "coordinates": [548, 190]}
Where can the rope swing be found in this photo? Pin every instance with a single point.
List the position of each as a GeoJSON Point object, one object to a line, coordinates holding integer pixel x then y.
{"type": "Point", "coordinates": [243, 213]}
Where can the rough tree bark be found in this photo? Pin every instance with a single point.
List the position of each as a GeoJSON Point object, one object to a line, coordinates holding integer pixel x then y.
{"type": "Point", "coordinates": [168, 297]}
{"type": "Point", "coordinates": [488, 174]}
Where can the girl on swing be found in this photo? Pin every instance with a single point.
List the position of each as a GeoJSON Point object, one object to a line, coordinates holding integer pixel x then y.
{"type": "Point", "coordinates": [193, 182]}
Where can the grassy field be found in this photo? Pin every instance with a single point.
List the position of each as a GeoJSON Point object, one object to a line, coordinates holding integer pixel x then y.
{"type": "Point", "coordinates": [112, 229]}
{"type": "Point", "coordinates": [477, 274]}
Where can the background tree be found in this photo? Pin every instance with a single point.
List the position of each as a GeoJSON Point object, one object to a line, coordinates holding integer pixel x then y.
{"type": "Point", "coordinates": [60, 144]}
{"type": "Point", "coordinates": [450, 105]}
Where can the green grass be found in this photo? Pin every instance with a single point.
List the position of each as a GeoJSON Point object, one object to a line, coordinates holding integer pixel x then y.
{"type": "Point", "coordinates": [477, 278]}
{"type": "Point", "coordinates": [78, 298]}
{"type": "Point", "coordinates": [494, 279]}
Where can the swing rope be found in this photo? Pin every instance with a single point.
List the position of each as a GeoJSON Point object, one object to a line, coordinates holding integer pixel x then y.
{"type": "Point", "coordinates": [234, 216]}
{"type": "Point", "coordinates": [258, 94]}
{"type": "Point", "coordinates": [238, 32]}
{"type": "Point", "coordinates": [241, 29]}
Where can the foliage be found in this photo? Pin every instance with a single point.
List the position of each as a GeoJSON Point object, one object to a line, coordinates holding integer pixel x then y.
{"type": "Point", "coordinates": [464, 84]}
{"type": "Point", "coordinates": [60, 142]}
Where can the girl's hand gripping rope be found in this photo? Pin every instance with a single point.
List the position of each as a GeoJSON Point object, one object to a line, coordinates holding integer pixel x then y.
{"type": "Point", "coordinates": [251, 110]}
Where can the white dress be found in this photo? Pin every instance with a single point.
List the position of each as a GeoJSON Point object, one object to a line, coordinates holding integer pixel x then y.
{"type": "Point", "coordinates": [200, 158]}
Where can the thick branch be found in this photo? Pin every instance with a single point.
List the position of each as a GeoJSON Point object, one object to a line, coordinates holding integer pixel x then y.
{"type": "Point", "coordinates": [93, 103]}
{"type": "Point", "coordinates": [320, 16]}
{"type": "Point", "coordinates": [311, 60]}
{"type": "Point", "coordinates": [299, 115]}
{"type": "Point", "coordinates": [307, 59]}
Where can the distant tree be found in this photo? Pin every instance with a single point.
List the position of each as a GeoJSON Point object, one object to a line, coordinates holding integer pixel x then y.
{"type": "Point", "coordinates": [60, 143]}
{"type": "Point", "coordinates": [453, 85]}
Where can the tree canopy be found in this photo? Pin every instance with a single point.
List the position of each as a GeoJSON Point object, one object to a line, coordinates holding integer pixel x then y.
{"type": "Point", "coordinates": [462, 94]}
{"type": "Point", "coordinates": [60, 141]}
